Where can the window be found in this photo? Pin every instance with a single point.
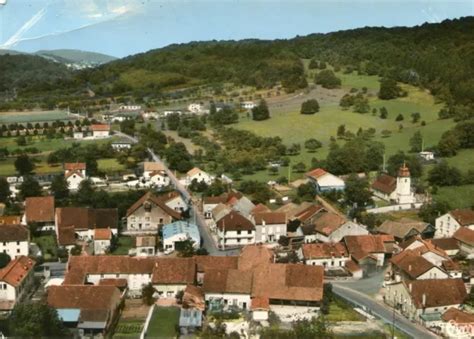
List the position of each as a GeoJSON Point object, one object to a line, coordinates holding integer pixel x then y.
{"type": "Point", "coordinates": [132, 219]}
{"type": "Point", "coordinates": [249, 232]}
{"type": "Point", "coordinates": [17, 250]}
{"type": "Point", "coordinates": [147, 218]}
{"type": "Point", "coordinates": [238, 232]}
{"type": "Point", "coordinates": [18, 243]}
{"type": "Point", "coordinates": [161, 220]}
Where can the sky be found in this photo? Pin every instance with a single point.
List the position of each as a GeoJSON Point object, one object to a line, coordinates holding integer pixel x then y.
{"type": "Point", "coordinates": [124, 27]}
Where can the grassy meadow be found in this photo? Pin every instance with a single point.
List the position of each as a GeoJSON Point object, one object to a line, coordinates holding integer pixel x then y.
{"type": "Point", "coordinates": [293, 127]}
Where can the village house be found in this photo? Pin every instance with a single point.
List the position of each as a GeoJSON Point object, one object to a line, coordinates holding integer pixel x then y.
{"type": "Point", "coordinates": [91, 309]}
{"type": "Point", "coordinates": [217, 214]}
{"type": "Point", "coordinates": [156, 173]}
{"type": "Point", "coordinates": [14, 240]}
{"type": "Point", "coordinates": [457, 324]}
{"type": "Point", "coordinates": [449, 245]}
{"type": "Point", "coordinates": [328, 255]}
{"type": "Point", "coordinates": [410, 265]}
{"type": "Point", "coordinates": [102, 240]}
{"type": "Point", "coordinates": [406, 228]}
{"type": "Point", "coordinates": [428, 250]}
{"type": "Point", "coordinates": [74, 173]}
{"type": "Point", "coordinates": [148, 214]}
{"type": "Point", "coordinates": [195, 108]}
{"type": "Point", "coordinates": [172, 275]}
{"type": "Point", "coordinates": [235, 230]}
{"type": "Point", "coordinates": [396, 190]}
{"type": "Point", "coordinates": [175, 201]}
{"type": "Point", "coordinates": [16, 280]}
{"type": "Point", "coordinates": [198, 175]}
{"type": "Point", "coordinates": [419, 298]}
{"type": "Point", "coordinates": [449, 223]}
{"type": "Point", "coordinates": [269, 226]}
{"type": "Point", "coordinates": [145, 245]}
{"type": "Point", "coordinates": [369, 251]}
{"type": "Point", "coordinates": [78, 135]}
{"type": "Point", "coordinates": [193, 306]}
{"type": "Point", "coordinates": [325, 181]}
{"type": "Point", "coordinates": [176, 233]}
{"type": "Point", "coordinates": [100, 131]}
{"type": "Point", "coordinates": [330, 227]}
{"type": "Point", "coordinates": [465, 238]}
{"type": "Point", "coordinates": [80, 223]}
{"type": "Point", "coordinates": [39, 211]}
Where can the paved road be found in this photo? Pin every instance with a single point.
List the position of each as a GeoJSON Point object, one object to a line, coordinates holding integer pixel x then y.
{"type": "Point", "coordinates": [207, 241]}
{"type": "Point", "coordinates": [381, 310]}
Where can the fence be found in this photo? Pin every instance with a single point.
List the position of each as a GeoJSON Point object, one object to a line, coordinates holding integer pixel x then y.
{"type": "Point", "coordinates": [394, 208]}
{"type": "Point", "coordinates": [147, 322]}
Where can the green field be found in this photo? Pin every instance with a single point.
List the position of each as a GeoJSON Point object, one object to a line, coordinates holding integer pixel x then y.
{"type": "Point", "coordinates": [34, 116]}
{"type": "Point", "coordinates": [44, 144]}
{"type": "Point", "coordinates": [7, 167]}
{"type": "Point", "coordinates": [128, 329]}
{"type": "Point", "coordinates": [163, 323]}
{"type": "Point", "coordinates": [294, 127]}
{"type": "Point", "coordinates": [456, 196]}
{"type": "Point", "coordinates": [339, 310]}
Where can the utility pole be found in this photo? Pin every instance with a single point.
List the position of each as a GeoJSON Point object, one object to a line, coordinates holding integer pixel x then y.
{"type": "Point", "coordinates": [383, 163]}
{"type": "Point", "coordinates": [289, 172]}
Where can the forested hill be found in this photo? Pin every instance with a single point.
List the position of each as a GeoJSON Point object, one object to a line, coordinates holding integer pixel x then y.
{"type": "Point", "coordinates": [437, 56]}
{"type": "Point", "coordinates": [26, 73]}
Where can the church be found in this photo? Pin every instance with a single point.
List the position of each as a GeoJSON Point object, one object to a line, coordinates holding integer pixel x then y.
{"type": "Point", "coordinates": [395, 190]}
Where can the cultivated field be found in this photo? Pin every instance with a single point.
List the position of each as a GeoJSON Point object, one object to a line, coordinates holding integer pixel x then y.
{"type": "Point", "coordinates": [34, 116]}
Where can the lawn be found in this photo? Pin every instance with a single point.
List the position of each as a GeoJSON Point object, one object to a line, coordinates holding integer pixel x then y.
{"type": "Point", "coordinates": [294, 127]}
{"type": "Point", "coordinates": [7, 166]}
{"type": "Point", "coordinates": [456, 196]}
{"type": "Point", "coordinates": [48, 246]}
{"type": "Point", "coordinates": [44, 144]}
{"type": "Point", "coordinates": [339, 310]}
{"type": "Point", "coordinates": [163, 323]}
{"type": "Point", "coordinates": [34, 116]}
{"type": "Point", "coordinates": [124, 244]}
{"type": "Point", "coordinates": [110, 165]}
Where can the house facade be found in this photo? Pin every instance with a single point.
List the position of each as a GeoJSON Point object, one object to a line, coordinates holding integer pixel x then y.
{"type": "Point", "coordinates": [327, 255]}
{"type": "Point", "coordinates": [198, 175]}
{"type": "Point", "coordinates": [415, 299]}
{"type": "Point", "coordinates": [14, 240]}
{"type": "Point", "coordinates": [40, 211]}
{"type": "Point", "coordinates": [465, 238]}
{"type": "Point", "coordinates": [148, 214]}
{"type": "Point", "coordinates": [235, 230]}
{"type": "Point", "coordinates": [180, 231]}
{"type": "Point", "coordinates": [74, 173]}
{"type": "Point", "coordinates": [449, 223]}
{"type": "Point", "coordinates": [102, 240]}
{"type": "Point", "coordinates": [100, 131]}
{"type": "Point", "coordinates": [269, 226]}
{"type": "Point", "coordinates": [16, 280]}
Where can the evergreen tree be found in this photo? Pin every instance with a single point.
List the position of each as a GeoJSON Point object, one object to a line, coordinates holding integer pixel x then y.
{"type": "Point", "coordinates": [261, 112]}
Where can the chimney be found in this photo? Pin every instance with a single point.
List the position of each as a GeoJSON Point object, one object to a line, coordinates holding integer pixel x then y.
{"type": "Point", "coordinates": [410, 287]}
{"type": "Point", "coordinates": [423, 300]}
{"type": "Point", "coordinates": [409, 268]}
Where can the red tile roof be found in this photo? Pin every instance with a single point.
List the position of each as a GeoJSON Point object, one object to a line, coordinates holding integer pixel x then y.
{"type": "Point", "coordinates": [102, 234]}
{"type": "Point", "coordinates": [316, 173]}
{"type": "Point", "coordinates": [411, 263]}
{"type": "Point", "coordinates": [234, 221]}
{"type": "Point", "coordinates": [228, 281]}
{"type": "Point", "coordinates": [458, 316]}
{"type": "Point", "coordinates": [260, 208]}
{"type": "Point", "coordinates": [270, 218]}
{"type": "Point", "coordinates": [329, 222]}
{"type": "Point", "coordinates": [308, 212]}
{"type": "Point", "coordinates": [150, 197]}
{"type": "Point", "coordinates": [100, 127]}
{"type": "Point", "coordinates": [464, 217]}
{"type": "Point", "coordinates": [324, 250]}
{"type": "Point", "coordinates": [207, 262]}
{"type": "Point", "coordinates": [120, 283]}
{"type": "Point", "coordinates": [446, 244]}
{"type": "Point", "coordinates": [464, 235]}
{"type": "Point", "coordinates": [352, 266]}
{"type": "Point", "coordinates": [437, 292]}
{"type": "Point", "coordinates": [14, 233]}
{"type": "Point", "coordinates": [39, 209]}
{"type": "Point", "coordinates": [74, 166]}
{"type": "Point", "coordinates": [361, 246]}
{"type": "Point", "coordinates": [253, 256]}
{"type": "Point", "coordinates": [16, 270]}
{"type": "Point", "coordinates": [174, 271]}
{"type": "Point", "coordinates": [385, 184]}
{"type": "Point", "coordinates": [83, 297]}
{"type": "Point", "coordinates": [260, 303]}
